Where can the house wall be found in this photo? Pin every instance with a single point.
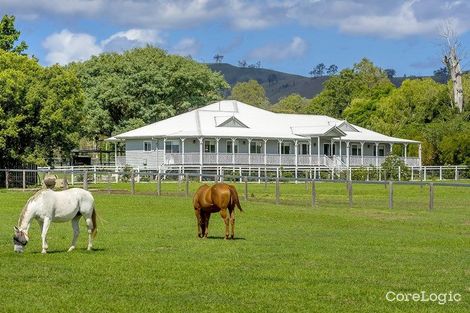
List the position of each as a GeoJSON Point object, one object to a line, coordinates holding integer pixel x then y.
{"type": "Point", "coordinates": [137, 157]}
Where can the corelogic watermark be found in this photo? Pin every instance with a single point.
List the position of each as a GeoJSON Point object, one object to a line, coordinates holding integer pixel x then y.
{"type": "Point", "coordinates": [424, 296]}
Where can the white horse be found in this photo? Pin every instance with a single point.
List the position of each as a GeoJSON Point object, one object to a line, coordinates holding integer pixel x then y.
{"type": "Point", "coordinates": [48, 206]}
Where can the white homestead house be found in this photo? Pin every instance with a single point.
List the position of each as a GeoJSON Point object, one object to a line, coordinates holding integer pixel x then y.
{"type": "Point", "coordinates": [234, 134]}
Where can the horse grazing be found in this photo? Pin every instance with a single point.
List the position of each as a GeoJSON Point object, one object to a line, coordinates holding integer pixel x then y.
{"type": "Point", "coordinates": [219, 197]}
{"type": "Point", "coordinates": [48, 206]}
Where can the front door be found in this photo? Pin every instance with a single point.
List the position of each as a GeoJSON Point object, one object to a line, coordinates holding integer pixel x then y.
{"type": "Point", "coordinates": [326, 149]}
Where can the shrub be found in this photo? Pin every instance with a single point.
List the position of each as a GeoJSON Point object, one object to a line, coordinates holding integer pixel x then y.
{"type": "Point", "coordinates": [392, 165]}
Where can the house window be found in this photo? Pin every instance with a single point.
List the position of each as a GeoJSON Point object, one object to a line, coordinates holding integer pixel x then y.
{"type": "Point", "coordinates": [355, 150]}
{"type": "Point", "coordinates": [147, 146]}
{"type": "Point", "coordinates": [304, 148]}
{"type": "Point", "coordinates": [209, 146]}
{"type": "Point", "coordinates": [381, 150]}
{"type": "Point", "coordinates": [285, 148]}
{"type": "Point", "coordinates": [256, 147]}
{"type": "Point", "coordinates": [172, 146]}
{"type": "Point", "coordinates": [229, 146]}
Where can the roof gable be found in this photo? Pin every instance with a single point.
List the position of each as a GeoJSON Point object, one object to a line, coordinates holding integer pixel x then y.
{"type": "Point", "coordinates": [345, 126]}
{"type": "Point", "coordinates": [232, 121]}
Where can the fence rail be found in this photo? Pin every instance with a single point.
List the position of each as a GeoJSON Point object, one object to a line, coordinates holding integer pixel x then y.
{"type": "Point", "coordinates": [17, 178]}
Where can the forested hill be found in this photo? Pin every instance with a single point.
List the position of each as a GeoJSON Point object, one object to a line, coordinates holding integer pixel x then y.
{"type": "Point", "coordinates": [278, 84]}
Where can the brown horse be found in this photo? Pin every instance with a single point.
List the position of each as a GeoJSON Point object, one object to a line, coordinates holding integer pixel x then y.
{"type": "Point", "coordinates": [219, 197]}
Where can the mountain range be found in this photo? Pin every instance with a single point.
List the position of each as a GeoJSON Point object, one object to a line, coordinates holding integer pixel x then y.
{"type": "Point", "coordinates": [279, 84]}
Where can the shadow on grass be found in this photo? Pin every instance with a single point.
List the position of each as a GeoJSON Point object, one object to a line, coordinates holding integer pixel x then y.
{"type": "Point", "coordinates": [76, 250]}
{"type": "Point", "coordinates": [223, 238]}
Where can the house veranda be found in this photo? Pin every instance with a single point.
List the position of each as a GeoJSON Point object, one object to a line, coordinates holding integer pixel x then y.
{"type": "Point", "coordinates": [233, 134]}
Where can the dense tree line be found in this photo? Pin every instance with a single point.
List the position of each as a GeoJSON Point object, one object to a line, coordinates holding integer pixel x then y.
{"type": "Point", "coordinates": [46, 111]}
{"type": "Point", "coordinates": [420, 109]}
{"type": "Point", "coordinates": [141, 86]}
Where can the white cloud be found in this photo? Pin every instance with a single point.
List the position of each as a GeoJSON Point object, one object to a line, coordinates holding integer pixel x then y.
{"type": "Point", "coordinates": [186, 47]}
{"type": "Point", "coordinates": [397, 18]}
{"type": "Point", "coordinates": [399, 24]}
{"type": "Point", "coordinates": [274, 52]}
{"type": "Point", "coordinates": [65, 46]}
{"type": "Point", "coordinates": [131, 38]}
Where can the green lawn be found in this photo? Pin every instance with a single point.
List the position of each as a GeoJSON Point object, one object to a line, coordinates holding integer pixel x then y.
{"type": "Point", "coordinates": [288, 257]}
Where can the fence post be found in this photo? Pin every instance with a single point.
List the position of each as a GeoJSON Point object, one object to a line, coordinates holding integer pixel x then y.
{"type": "Point", "coordinates": [109, 182]}
{"type": "Point", "coordinates": [159, 184]}
{"type": "Point", "coordinates": [424, 168]}
{"type": "Point", "coordinates": [245, 179]}
{"type": "Point", "coordinates": [399, 173]}
{"type": "Point", "coordinates": [390, 194]}
{"type": "Point", "coordinates": [277, 190]}
{"type": "Point", "coordinates": [186, 177]}
{"type": "Point", "coordinates": [94, 174]}
{"type": "Point", "coordinates": [440, 172]}
{"type": "Point", "coordinates": [350, 193]}
{"type": "Point", "coordinates": [72, 178]}
{"type": "Point", "coordinates": [85, 180]}
{"type": "Point", "coordinates": [66, 183]}
{"type": "Point", "coordinates": [7, 173]}
{"type": "Point", "coordinates": [412, 172]}
{"type": "Point", "coordinates": [456, 173]}
{"type": "Point", "coordinates": [132, 182]}
{"type": "Point", "coordinates": [431, 196]}
{"type": "Point", "coordinates": [314, 194]}
{"type": "Point", "coordinates": [24, 180]}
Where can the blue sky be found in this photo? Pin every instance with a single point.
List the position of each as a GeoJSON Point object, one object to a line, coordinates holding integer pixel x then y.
{"type": "Point", "coordinates": [291, 36]}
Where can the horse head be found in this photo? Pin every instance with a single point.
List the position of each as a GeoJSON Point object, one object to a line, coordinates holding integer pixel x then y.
{"type": "Point", "coordinates": [20, 239]}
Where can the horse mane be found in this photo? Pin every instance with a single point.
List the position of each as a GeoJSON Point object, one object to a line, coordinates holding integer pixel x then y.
{"type": "Point", "coordinates": [23, 212]}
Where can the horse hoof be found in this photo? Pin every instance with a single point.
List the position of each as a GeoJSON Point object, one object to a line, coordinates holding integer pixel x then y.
{"type": "Point", "coordinates": [44, 251]}
{"type": "Point", "coordinates": [71, 249]}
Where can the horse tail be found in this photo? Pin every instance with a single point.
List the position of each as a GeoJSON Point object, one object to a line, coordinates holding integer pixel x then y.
{"type": "Point", "coordinates": [95, 225]}
{"type": "Point", "coordinates": [234, 196]}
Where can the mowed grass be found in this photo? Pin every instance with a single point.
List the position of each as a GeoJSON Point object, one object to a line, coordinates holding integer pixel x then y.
{"type": "Point", "coordinates": [287, 258]}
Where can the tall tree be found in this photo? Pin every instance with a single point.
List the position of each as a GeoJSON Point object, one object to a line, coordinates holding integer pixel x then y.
{"type": "Point", "coordinates": [441, 74]}
{"type": "Point", "coordinates": [293, 103]}
{"type": "Point", "coordinates": [40, 111]}
{"type": "Point", "coordinates": [416, 103]}
{"type": "Point", "coordinates": [332, 69]}
{"type": "Point", "coordinates": [318, 70]}
{"type": "Point", "coordinates": [140, 86]}
{"type": "Point", "coordinates": [250, 92]}
{"type": "Point", "coordinates": [390, 72]}
{"type": "Point", "coordinates": [9, 35]}
{"type": "Point", "coordinates": [452, 61]}
{"type": "Point", "coordinates": [364, 80]}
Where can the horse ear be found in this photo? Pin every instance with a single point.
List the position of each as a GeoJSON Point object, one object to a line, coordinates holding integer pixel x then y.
{"type": "Point", "coordinates": [16, 229]}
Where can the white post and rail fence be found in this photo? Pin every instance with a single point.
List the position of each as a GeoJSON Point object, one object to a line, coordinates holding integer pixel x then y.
{"type": "Point", "coordinates": [131, 181]}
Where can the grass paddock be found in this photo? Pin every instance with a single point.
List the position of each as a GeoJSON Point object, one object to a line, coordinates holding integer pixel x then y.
{"type": "Point", "coordinates": [286, 258]}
